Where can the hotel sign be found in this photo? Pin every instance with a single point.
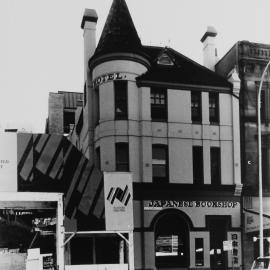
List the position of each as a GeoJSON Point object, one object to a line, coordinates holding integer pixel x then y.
{"type": "Point", "coordinates": [112, 77]}
{"type": "Point", "coordinates": [161, 204]}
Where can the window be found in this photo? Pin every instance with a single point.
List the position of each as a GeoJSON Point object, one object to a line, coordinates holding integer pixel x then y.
{"type": "Point", "coordinates": [164, 59]}
{"type": "Point", "coordinates": [160, 163]}
{"type": "Point", "coordinates": [215, 165]}
{"type": "Point", "coordinates": [98, 164]}
{"type": "Point", "coordinates": [199, 261]}
{"type": "Point", "coordinates": [264, 102]}
{"type": "Point", "coordinates": [197, 164]}
{"type": "Point", "coordinates": [121, 103]}
{"type": "Point", "coordinates": [69, 119]}
{"type": "Point", "coordinates": [97, 106]}
{"type": "Point", "coordinates": [122, 157]}
{"type": "Point", "coordinates": [263, 106]}
{"type": "Point", "coordinates": [158, 104]}
{"type": "Point", "coordinates": [84, 94]}
{"type": "Point", "coordinates": [213, 108]}
{"type": "Point", "coordinates": [196, 107]}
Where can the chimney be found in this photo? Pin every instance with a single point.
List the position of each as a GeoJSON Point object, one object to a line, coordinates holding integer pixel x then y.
{"type": "Point", "coordinates": [208, 40]}
{"type": "Point", "coordinates": [89, 23]}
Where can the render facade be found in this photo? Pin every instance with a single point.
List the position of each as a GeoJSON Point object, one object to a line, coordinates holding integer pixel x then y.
{"type": "Point", "coordinates": [174, 125]}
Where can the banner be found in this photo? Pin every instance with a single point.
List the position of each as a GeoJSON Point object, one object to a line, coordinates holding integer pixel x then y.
{"type": "Point", "coordinates": [8, 162]}
{"type": "Point", "coordinates": [118, 201]}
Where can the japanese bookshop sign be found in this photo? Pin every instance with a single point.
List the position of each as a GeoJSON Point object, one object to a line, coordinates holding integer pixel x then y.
{"type": "Point", "coordinates": [118, 201]}
{"type": "Point", "coordinates": [8, 162]}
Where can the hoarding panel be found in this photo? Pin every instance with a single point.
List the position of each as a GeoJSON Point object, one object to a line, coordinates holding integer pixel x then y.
{"type": "Point", "coordinates": [8, 162]}
{"type": "Point", "coordinates": [118, 197]}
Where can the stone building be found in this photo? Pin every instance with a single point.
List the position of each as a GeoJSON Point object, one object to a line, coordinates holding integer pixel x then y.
{"type": "Point", "coordinates": [249, 60]}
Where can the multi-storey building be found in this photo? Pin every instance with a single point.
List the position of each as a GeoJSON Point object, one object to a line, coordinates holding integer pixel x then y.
{"type": "Point", "coordinates": [249, 60]}
{"type": "Point", "coordinates": [175, 125]}
{"type": "Point", "coordinates": [61, 111]}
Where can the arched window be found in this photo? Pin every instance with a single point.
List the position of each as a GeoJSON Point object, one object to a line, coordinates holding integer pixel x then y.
{"type": "Point", "coordinates": [171, 241]}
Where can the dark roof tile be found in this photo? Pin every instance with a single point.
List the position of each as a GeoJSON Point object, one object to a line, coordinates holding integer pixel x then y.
{"type": "Point", "coordinates": [185, 70]}
{"type": "Point", "coordinates": [119, 33]}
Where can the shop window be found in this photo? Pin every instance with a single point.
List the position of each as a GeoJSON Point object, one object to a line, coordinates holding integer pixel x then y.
{"type": "Point", "coordinates": [196, 107]}
{"type": "Point", "coordinates": [122, 157]}
{"type": "Point", "coordinates": [27, 230]}
{"type": "Point", "coordinates": [121, 102]}
{"type": "Point", "coordinates": [199, 252]}
{"type": "Point", "coordinates": [266, 245]}
{"type": "Point", "coordinates": [160, 163]}
{"type": "Point", "coordinates": [213, 108]}
{"type": "Point", "coordinates": [158, 104]}
{"type": "Point", "coordinates": [171, 241]}
{"type": "Point", "coordinates": [215, 165]}
{"type": "Point", "coordinates": [197, 154]}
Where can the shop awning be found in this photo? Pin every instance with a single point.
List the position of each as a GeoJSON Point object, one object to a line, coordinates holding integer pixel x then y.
{"type": "Point", "coordinates": [252, 220]}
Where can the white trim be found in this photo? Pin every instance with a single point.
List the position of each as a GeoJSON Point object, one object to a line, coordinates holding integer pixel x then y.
{"type": "Point", "coordinates": [30, 196]}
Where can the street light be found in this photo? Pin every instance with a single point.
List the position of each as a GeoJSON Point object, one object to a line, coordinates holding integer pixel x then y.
{"type": "Point", "coordinates": [260, 158]}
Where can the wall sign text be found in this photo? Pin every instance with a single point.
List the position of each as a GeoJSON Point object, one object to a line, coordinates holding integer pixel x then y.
{"type": "Point", "coordinates": [108, 77]}
{"type": "Point", "coordinates": [160, 204]}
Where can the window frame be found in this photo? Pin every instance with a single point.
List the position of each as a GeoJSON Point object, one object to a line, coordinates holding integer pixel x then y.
{"type": "Point", "coordinates": [122, 166]}
{"type": "Point", "coordinates": [196, 118]}
{"type": "Point", "coordinates": [199, 243]}
{"type": "Point", "coordinates": [121, 99]}
{"type": "Point", "coordinates": [215, 158]}
{"type": "Point", "coordinates": [214, 120]}
{"type": "Point", "coordinates": [156, 164]}
{"type": "Point", "coordinates": [159, 112]}
{"type": "Point", "coordinates": [97, 105]}
{"type": "Point", "coordinates": [198, 164]}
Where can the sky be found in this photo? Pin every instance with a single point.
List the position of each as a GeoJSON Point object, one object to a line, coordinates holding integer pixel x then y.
{"type": "Point", "coordinates": [41, 44]}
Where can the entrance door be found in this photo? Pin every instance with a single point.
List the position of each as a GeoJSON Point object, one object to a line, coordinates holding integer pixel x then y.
{"type": "Point", "coordinates": [171, 241]}
{"type": "Point", "coordinates": [218, 229]}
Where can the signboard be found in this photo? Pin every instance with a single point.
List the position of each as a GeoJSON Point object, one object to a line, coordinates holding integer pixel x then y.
{"type": "Point", "coordinates": [234, 256]}
{"type": "Point", "coordinates": [161, 204]}
{"type": "Point", "coordinates": [8, 162]}
{"type": "Point", "coordinates": [252, 221]}
{"type": "Point", "coordinates": [227, 245]}
{"type": "Point", "coordinates": [47, 261]}
{"type": "Point", "coordinates": [118, 201]}
{"type": "Point", "coordinates": [112, 77]}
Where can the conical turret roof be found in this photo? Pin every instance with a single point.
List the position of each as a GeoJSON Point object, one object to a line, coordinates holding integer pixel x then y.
{"type": "Point", "coordinates": [119, 33]}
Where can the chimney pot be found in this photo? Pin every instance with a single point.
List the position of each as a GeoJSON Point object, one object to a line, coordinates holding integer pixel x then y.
{"type": "Point", "coordinates": [210, 57]}
{"type": "Point", "coordinates": [90, 15]}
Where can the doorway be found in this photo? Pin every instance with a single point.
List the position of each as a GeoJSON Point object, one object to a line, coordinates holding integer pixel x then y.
{"type": "Point", "coordinates": [171, 241]}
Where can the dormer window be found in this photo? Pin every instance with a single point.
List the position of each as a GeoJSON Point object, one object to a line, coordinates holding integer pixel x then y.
{"type": "Point", "coordinates": [164, 59]}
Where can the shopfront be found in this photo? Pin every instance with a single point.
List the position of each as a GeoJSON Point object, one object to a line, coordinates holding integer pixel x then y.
{"type": "Point", "coordinates": [190, 233]}
{"type": "Point", "coordinates": [31, 231]}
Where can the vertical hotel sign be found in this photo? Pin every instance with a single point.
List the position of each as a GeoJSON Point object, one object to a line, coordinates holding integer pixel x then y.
{"type": "Point", "coordinates": [8, 162]}
{"type": "Point", "coordinates": [118, 201]}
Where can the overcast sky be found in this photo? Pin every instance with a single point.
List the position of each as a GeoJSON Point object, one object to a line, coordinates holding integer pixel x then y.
{"type": "Point", "coordinates": [41, 46]}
